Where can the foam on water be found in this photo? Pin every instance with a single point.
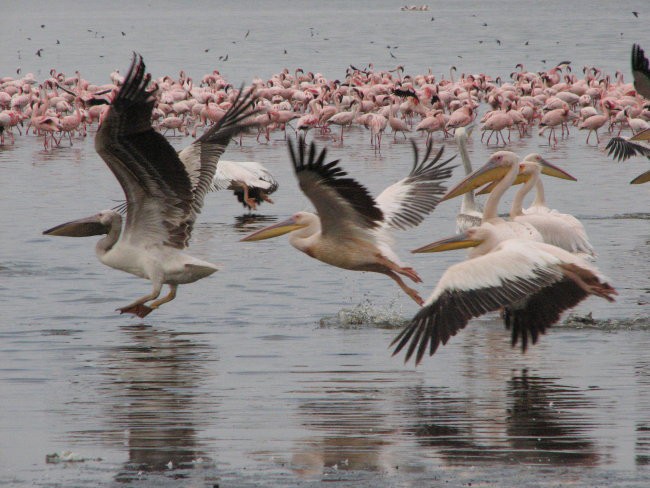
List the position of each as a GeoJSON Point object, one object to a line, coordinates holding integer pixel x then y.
{"type": "Point", "coordinates": [367, 314]}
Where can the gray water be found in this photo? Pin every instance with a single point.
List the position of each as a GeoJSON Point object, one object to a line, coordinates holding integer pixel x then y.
{"type": "Point", "coordinates": [276, 370]}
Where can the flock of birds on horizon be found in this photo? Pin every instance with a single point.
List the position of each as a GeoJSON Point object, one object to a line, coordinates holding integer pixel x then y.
{"type": "Point", "coordinates": [530, 267]}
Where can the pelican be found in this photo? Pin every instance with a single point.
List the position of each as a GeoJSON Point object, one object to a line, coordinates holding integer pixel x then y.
{"type": "Point", "coordinates": [163, 196]}
{"type": "Point", "coordinates": [504, 165]}
{"type": "Point", "coordinates": [559, 229]}
{"type": "Point", "coordinates": [624, 148]}
{"type": "Point", "coordinates": [351, 230]}
{"type": "Point", "coordinates": [251, 182]}
{"type": "Point", "coordinates": [638, 144]}
{"type": "Point", "coordinates": [533, 282]}
{"type": "Point", "coordinates": [471, 213]}
{"type": "Point", "coordinates": [641, 71]}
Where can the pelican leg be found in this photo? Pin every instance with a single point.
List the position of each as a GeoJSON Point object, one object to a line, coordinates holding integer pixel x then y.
{"type": "Point", "coordinates": [249, 201]}
{"type": "Point", "coordinates": [409, 291]}
{"type": "Point", "coordinates": [167, 298]}
{"type": "Point", "coordinates": [138, 307]}
{"type": "Point", "coordinates": [265, 197]}
{"type": "Point", "coordinates": [407, 271]}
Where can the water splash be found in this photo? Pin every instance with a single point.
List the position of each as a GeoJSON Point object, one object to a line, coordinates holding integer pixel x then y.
{"type": "Point", "coordinates": [367, 314]}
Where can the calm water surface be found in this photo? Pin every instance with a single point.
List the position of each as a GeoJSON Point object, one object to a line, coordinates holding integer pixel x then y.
{"type": "Point", "coordinates": [276, 370]}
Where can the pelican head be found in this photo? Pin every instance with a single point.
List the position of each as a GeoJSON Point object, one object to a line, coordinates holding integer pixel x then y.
{"type": "Point", "coordinates": [483, 236]}
{"type": "Point", "coordinates": [94, 225]}
{"type": "Point", "coordinates": [297, 221]}
{"type": "Point", "coordinates": [532, 164]}
{"type": "Point", "coordinates": [496, 168]}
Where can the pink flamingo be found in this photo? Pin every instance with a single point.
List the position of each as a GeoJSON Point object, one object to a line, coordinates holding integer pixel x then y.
{"type": "Point", "coordinates": [461, 117]}
{"type": "Point", "coordinates": [45, 124]}
{"type": "Point", "coordinates": [345, 119]}
{"type": "Point", "coordinates": [70, 123]}
{"type": "Point", "coordinates": [496, 123]}
{"type": "Point", "coordinates": [432, 123]}
{"type": "Point", "coordinates": [551, 120]}
{"type": "Point", "coordinates": [377, 124]}
{"type": "Point", "coordinates": [592, 124]}
{"type": "Point", "coordinates": [397, 125]}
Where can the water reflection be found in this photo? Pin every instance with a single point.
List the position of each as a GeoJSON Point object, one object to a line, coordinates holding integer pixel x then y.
{"type": "Point", "coordinates": [246, 222]}
{"type": "Point", "coordinates": [351, 432]}
{"type": "Point", "coordinates": [150, 394]}
{"type": "Point", "coordinates": [541, 422]}
{"type": "Point", "coordinates": [642, 427]}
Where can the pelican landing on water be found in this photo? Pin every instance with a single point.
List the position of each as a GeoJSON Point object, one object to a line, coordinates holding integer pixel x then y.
{"type": "Point", "coordinates": [351, 230]}
{"type": "Point", "coordinates": [163, 195]}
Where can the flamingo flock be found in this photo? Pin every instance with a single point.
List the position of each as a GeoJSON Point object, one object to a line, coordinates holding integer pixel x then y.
{"type": "Point", "coordinates": [552, 102]}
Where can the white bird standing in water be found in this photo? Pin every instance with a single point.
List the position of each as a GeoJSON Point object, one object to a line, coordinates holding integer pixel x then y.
{"type": "Point", "coordinates": [163, 196]}
{"type": "Point", "coordinates": [351, 230]}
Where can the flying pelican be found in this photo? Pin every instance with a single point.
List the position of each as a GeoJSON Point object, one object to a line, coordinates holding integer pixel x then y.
{"type": "Point", "coordinates": [251, 182]}
{"type": "Point", "coordinates": [351, 230]}
{"type": "Point", "coordinates": [638, 144]}
{"type": "Point", "coordinates": [624, 148]}
{"type": "Point", "coordinates": [471, 213]}
{"type": "Point", "coordinates": [641, 71]}
{"type": "Point", "coordinates": [163, 197]}
{"type": "Point", "coordinates": [533, 282]}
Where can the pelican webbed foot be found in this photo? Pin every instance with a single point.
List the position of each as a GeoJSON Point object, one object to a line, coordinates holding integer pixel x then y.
{"type": "Point", "coordinates": [140, 310]}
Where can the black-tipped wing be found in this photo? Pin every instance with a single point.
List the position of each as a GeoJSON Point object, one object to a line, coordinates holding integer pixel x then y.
{"type": "Point", "coordinates": [202, 156]}
{"type": "Point", "coordinates": [406, 203]}
{"type": "Point", "coordinates": [621, 148]}
{"type": "Point", "coordinates": [533, 316]}
{"type": "Point", "coordinates": [510, 274]}
{"type": "Point", "coordinates": [641, 71]}
{"type": "Point", "coordinates": [343, 204]}
{"type": "Point", "coordinates": [157, 188]}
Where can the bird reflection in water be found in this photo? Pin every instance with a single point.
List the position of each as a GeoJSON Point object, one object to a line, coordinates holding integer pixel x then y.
{"type": "Point", "coordinates": [351, 432]}
{"type": "Point", "coordinates": [150, 395]}
{"type": "Point", "coordinates": [642, 428]}
{"type": "Point", "coordinates": [245, 221]}
{"type": "Point", "coordinates": [544, 423]}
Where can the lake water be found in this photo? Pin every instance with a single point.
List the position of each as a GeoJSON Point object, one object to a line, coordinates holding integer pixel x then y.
{"type": "Point", "coordinates": [276, 370]}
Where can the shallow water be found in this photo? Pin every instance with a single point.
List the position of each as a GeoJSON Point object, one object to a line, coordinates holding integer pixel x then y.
{"type": "Point", "coordinates": [276, 370]}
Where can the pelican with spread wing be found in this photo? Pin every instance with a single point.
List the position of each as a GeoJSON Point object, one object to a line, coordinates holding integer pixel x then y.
{"type": "Point", "coordinates": [533, 282]}
{"type": "Point", "coordinates": [163, 195]}
{"type": "Point", "coordinates": [639, 144]}
{"type": "Point", "coordinates": [351, 230]}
